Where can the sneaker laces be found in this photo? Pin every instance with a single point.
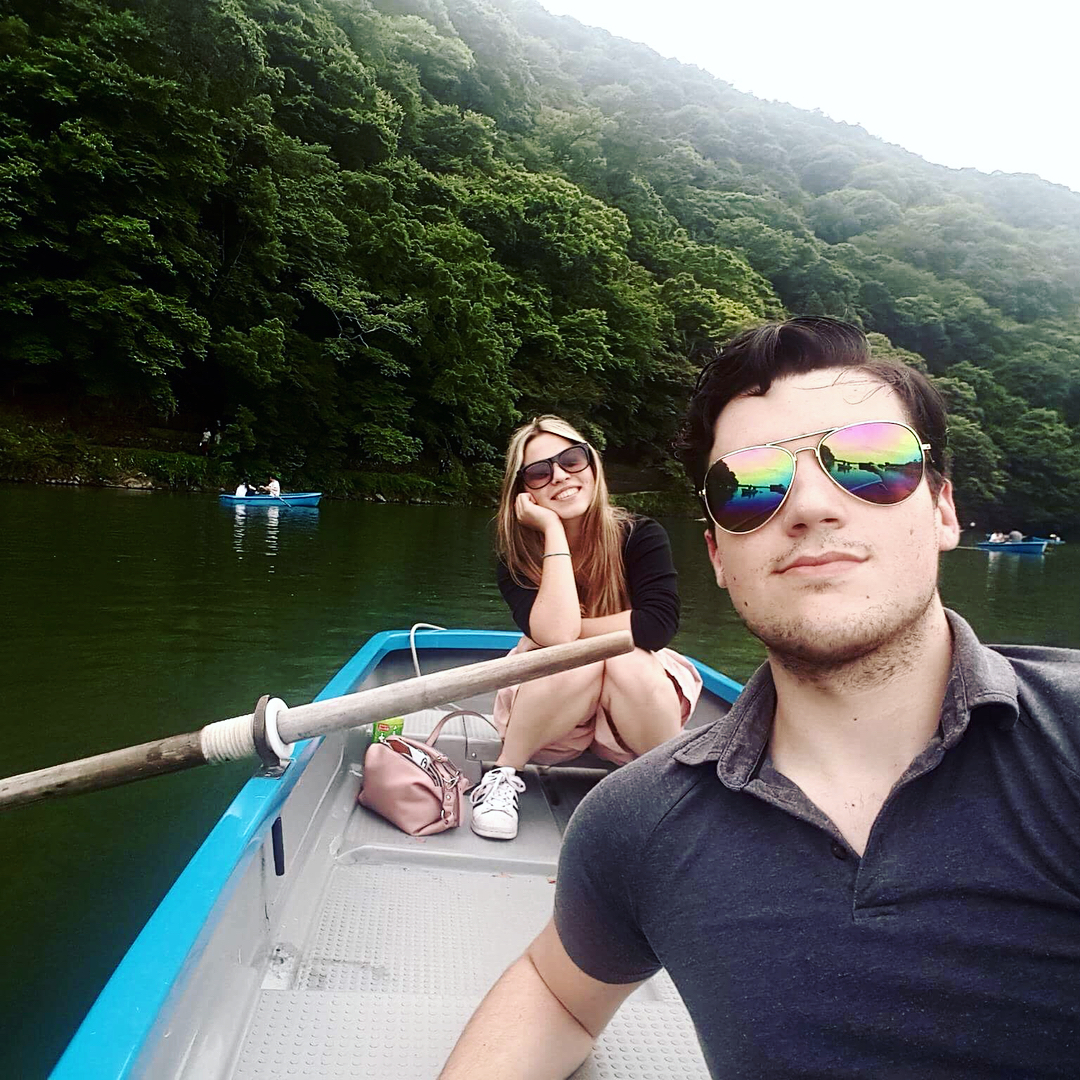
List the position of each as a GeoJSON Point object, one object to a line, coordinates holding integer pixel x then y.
{"type": "Point", "coordinates": [498, 790]}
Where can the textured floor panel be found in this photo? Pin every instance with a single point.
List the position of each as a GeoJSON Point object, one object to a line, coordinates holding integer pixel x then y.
{"type": "Point", "coordinates": [409, 928]}
{"type": "Point", "coordinates": [659, 988]}
{"type": "Point", "coordinates": [647, 1041]}
{"type": "Point", "coordinates": [319, 1035]}
{"type": "Point", "coordinates": [399, 957]}
{"type": "Point", "coordinates": [330, 1035]}
{"type": "Point", "coordinates": [410, 933]}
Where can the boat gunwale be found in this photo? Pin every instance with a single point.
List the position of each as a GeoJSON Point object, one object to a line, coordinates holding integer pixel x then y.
{"type": "Point", "coordinates": [113, 1035]}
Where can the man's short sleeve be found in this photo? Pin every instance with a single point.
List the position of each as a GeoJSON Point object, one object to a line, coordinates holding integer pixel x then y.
{"type": "Point", "coordinates": [600, 866]}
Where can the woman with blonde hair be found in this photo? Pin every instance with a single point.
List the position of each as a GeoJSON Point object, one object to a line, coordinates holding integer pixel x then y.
{"type": "Point", "coordinates": [571, 565]}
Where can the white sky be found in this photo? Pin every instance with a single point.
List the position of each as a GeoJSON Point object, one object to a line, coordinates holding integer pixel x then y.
{"type": "Point", "coordinates": [988, 84]}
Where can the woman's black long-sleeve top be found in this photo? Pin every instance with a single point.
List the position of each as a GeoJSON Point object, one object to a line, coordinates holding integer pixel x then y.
{"type": "Point", "coordinates": [651, 580]}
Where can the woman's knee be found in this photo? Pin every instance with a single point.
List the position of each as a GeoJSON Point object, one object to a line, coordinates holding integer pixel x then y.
{"type": "Point", "coordinates": [634, 672]}
{"type": "Point", "coordinates": [576, 681]}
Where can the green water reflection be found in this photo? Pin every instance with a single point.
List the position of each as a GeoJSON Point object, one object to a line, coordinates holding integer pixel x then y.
{"type": "Point", "coordinates": [130, 615]}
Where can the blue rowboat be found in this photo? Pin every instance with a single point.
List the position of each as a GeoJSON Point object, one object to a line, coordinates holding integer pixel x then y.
{"type": "Point", "coordinates": [1014, 547]}
{"type": "Point", "coordinates": [289, 498]}
{"type": "Point", "coordinates": [1051, 541]}
{"type": "Point", "coordinates": [313, 955]}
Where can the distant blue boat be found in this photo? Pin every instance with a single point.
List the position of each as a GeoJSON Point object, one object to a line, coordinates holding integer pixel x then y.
{"type": "Point", "coordinates": [1015, 547]}
{"type": "Point", "coordinates": [1053, 541]}
{"type": "Point", "coordinates": [289, 498]}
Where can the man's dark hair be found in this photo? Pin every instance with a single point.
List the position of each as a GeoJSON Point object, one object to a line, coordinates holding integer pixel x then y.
{"type": "Point", "coordinates": [749, 362]}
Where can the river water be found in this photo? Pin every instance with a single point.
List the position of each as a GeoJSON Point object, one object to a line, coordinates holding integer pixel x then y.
{"type": "Point", "coordinates": [127, 615]}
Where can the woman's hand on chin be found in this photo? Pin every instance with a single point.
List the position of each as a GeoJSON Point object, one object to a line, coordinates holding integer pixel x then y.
{"type": "Point", "coordinates": [532, 515]}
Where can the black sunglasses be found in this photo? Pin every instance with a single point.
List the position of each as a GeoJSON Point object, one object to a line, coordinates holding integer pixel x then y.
{"type": "Point", "coordinates": [573, 459]}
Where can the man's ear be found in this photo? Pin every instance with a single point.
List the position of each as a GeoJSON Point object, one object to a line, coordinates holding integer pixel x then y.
{"type": "Point", "coordinates": [714, 557]}
{"type": "Point", "coordinates": [948, 524]}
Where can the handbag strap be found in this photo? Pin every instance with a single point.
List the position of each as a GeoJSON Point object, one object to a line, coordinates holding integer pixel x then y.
{"type": "Point", "coordinates": [437, 730]}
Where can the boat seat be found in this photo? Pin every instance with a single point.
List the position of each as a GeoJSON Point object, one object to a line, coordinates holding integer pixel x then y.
{"type": "Point", "coordinates": [470, 741]}
{"type": "Point", "coordinates": [478, 743]}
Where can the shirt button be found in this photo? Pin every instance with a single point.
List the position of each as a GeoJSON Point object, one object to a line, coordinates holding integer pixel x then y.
{"type": "Point", "coordinates": [838, 850]}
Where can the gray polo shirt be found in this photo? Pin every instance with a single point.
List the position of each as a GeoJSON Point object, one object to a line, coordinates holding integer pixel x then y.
{"type": "Point", "coordinates": [950, 949]}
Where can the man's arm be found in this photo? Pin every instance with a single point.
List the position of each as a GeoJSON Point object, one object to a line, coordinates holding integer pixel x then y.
{"type": "Point", "coordinates": [539, 1021]}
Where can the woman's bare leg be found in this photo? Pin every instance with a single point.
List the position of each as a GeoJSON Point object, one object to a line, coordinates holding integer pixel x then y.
{"type": "Point", "coordinates": [546, 709]}
{"type": "Point", "coordinates": [641, 700]}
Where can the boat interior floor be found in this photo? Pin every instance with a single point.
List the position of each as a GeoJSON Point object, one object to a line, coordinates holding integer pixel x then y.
{"type": "Point", "coordinates": [391, 942]}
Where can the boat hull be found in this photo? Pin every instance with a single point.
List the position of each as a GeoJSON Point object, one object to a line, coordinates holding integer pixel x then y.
{"type": "Point", "coordinates": [289, 498]}
{"type": "Point", "coordinates": [233, 944]}
{"type": "Point", "coordinates": [1015, 547]}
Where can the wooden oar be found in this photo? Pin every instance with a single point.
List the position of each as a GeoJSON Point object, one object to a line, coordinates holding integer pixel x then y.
{"type": "Point", "coordinates": [233, 739]}
{"type": "Point", "coordinates": [278, 497]}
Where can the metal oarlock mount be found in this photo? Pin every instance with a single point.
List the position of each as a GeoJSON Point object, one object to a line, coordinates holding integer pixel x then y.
{"type": "Point", "coordinates": [272, 751]}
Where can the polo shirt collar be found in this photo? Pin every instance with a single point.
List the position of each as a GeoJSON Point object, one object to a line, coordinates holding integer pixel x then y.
{"type": "Point", "coordinates": [981, 681]}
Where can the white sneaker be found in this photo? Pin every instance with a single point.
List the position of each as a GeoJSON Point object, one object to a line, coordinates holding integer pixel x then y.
{"type": "Point", "coordinates": [495, 803]}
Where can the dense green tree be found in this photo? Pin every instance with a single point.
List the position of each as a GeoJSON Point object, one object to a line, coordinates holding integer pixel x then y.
{"type": "Point", "coordinates": [105, 167]}
{"type": "Point", "coordinates": [373, 234]}
{"type": "Point", "coordinates": [976, 471]}
{"type": "Point", "coordinates": [840, 215]}
{"type": "Point", "coordinates": [1043, 466]}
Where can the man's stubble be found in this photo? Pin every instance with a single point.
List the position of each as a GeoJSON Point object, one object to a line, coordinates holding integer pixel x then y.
{"type": "Point", "coordinates": [872, 648]}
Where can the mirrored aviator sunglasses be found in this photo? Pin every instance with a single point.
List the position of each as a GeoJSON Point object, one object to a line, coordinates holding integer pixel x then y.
{"type": "Point", "coordinates": [573, 459]}
{"type": "Point", "coordinates": [879, 462]}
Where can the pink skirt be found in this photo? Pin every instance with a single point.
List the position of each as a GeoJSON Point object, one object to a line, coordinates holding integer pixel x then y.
{"type": "Point", "coordinates": [597, 734]}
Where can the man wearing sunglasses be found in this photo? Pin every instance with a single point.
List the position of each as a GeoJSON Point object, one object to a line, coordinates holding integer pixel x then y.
{"type": "Point", "coordinates": [871, 865]}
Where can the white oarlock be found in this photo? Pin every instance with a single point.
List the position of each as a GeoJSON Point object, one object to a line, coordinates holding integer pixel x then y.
{"type": "Point", "coordinates": [273, 738]}
{"type": "Point", "coordinates": [232, 739]}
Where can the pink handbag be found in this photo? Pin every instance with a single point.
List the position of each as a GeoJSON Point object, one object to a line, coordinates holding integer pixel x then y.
{"type": "Point", "coordinates": [412, 784]}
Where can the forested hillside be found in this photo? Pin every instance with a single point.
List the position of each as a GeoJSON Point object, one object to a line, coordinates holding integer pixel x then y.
{"type": "Point", "coordinates": [363, 238]}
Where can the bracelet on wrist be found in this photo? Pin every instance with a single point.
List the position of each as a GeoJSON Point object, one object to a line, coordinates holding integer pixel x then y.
{"type": "Point", "coordinates": [552, 554]}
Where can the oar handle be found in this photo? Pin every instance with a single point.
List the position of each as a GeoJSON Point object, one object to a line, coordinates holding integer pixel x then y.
{"type": "Point", "coordinates": [178, 752]}
{"type": "Point", "coordinates": [429, 691]}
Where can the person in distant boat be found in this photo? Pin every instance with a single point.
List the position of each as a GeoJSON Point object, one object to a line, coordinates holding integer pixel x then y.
{"type": "Point", "coordinates": [241, 490]}
{"type": "Point", "coordinates": [571, 565]}
{"type": "Point", "coordinates": [870, 866]}
{"type": "Point", "coordinates": [997, 537]}
{"type": "Point", "coordinates": [272, 487]}
{"type": "Point", "coordinates": [1016, 536]}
